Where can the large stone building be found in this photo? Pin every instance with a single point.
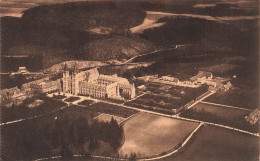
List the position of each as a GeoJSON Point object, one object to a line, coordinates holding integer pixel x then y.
{"type": "Point", "coordinates": [44, 85]}
{"type": "Point", "coordinates": [91, 83]}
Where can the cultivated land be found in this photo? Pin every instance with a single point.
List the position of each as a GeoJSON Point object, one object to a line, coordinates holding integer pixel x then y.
{"type": "Point", "coordinates": [149, 135]}
{"type": "Point", "coordinates": [226, 112]}
{"type": "Point", "coordinates": [219, 144]}
{"type": "Point", "coordinates": [167, 96]}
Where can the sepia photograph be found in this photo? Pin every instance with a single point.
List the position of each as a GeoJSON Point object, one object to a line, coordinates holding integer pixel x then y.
{"type": "Point", "coordinates": [129, 80]}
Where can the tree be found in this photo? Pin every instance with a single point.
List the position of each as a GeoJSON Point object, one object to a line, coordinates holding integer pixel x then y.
{"type": "Point", "coordinates": [93, 144]}
{"type": "Point", "coordinates": [133, 157]}
{"type": "Point", "coordinates": [66, 152]}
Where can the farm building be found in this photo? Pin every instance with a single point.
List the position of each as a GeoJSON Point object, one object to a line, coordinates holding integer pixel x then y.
{"type": "Point", "coordinates": [202, 75]}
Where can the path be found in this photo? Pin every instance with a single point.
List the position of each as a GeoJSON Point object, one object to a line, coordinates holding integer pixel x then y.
{"type": "Point", "coordinates": [129, 60]}
{"type": "Point", "coordinates": [182, 145]}
{"type": "Point", "coordinates": [33, 117]}
{"type": "Point", "coordinates": [93, 156]}
{"type": "Point", "coordinates": [197, 101]}
{"type": "Point", "coordinates": [239, 108]}
{"type": "Point", "coordinates": [136, 97]}
{"type": "Point", "coordinates": [176, 116]}
{"type": "Point", "coordinates": [219, 125]}
{"type": "Point", "coordinates": [182, 118]}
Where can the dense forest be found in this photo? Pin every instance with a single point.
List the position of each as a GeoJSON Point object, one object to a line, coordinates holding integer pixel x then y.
{"type": "Point", "coordinates": [66, 133]}
{"type": "Point", "coordinates": [101, 30]}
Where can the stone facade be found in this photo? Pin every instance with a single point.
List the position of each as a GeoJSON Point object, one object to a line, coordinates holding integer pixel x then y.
{"type": "Point", "coordinates": [91, 83]}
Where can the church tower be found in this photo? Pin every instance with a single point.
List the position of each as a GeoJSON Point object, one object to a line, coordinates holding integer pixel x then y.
{"type": "Point", "coordinates": [65, 79]}
{"type": "Point", "coordinates": [132, 95]}
{"type": "Point", "coordinates": [75, 82]}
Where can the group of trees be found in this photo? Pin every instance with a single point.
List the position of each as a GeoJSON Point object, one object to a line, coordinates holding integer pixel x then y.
{"type": "Point", "coordinates": [68, 132]}
{"type": "Point", "coordinates": [73, 134]}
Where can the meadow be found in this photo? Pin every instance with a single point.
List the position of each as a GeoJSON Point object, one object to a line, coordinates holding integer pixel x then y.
{"type": "Point", "coordinates": [107, 118]}
{"type": "Point", "coordinates": [219, 144]}
{"type": "Point", "coordinates": [148, 135]}
{"type": "Point", "coordinates": [226, 112]}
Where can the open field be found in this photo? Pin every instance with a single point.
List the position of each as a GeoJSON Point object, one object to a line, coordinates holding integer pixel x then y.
{"type": "Point", "coordinates": [111, 109]}
{"type": "Point", "coordinates": [226, 112]}
{"type": "Point", "coordinates": [243, 98]}
{"type": "Point", "coordinates": [219, 68]}
{"type": "Point", "coordinates": [22, 111]}
{"type": "Point", "coordinates": [220, 115]}
{"type": "Point", "coordinates": [107, 118]}
{"type": "Point", "coordinates": [149, 135]}
{"type": "Point", "coordinates": [219, 144]}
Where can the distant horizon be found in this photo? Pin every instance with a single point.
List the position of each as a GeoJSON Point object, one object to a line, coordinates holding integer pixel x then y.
{"type": "Point", "coordinates": [14, 8]}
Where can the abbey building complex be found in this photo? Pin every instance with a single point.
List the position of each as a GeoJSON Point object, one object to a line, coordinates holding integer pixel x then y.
{"type": "Point", "coordinates": [91, 83]}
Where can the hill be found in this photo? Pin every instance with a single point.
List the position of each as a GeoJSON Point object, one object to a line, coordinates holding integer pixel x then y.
{"type": "Point", "coordinates": [183, 29]}
{"type": "Point", "coordinates": [116, 47]}
{"type": "Point", "coordinates": [84, 15]}
{"type": "Point", "coordinates": [103, 30]}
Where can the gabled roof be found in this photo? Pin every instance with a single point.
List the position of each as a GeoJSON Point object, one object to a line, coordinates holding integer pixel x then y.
{"type": "Point", "coordinates": [201, 74]}
{"type": "Point", "coordinates": [204, 74]}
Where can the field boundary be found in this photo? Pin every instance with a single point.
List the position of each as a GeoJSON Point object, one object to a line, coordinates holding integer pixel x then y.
{"type": "Point", "coordinates": [129, 118]}
{"type": "Point", "coordinates": [228, 106]}
{"type": "Point", "coordinates": [223, 126]}
{"type": "Point", "coordinates": [33, 117]}
{"type": "Point", "coordinates": [171, 152]}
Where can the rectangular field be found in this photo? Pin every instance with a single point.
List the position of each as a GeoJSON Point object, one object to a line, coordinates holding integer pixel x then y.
{"type": "Point", "coordinates": [244, 98]}
{"type": "Point", "coordinates": [111, 109]}
{"type": "Point", "coordinates": [149, 135]}
{"type": "Point", "coordinates": [168, 96]}
{"type": "Point", "coordinates": [226, 112]}
{"type": "Point", "coordinates": [219, 144]}
{"type": "Point", "coordinates": [107, 118]}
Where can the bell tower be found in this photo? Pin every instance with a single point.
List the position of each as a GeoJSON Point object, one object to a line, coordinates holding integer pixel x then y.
{"type": "Point", "coordinates": [75, 82]}
{"type": "Point", "coordinates": [65, 79]}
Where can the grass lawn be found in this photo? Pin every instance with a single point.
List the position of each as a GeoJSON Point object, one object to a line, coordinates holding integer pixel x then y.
{"type": "Point", "coordinates": [228, 113]}
{"type": "Point", "coordinates": [22, 111]}
{"type": "Point", "coordinates": [58, 97]}
{"type": "Point", "coordinates": [219, 144]}
{"type": "Point", "coordinates": [107, 118]}
{"type": "Point", "coordinates": [71, 99]}
{"type": "Point", "coordinates": [149, 135]}
{"type": "Point", "coordinates": [86, 102]}
{"type": "Point", "coordinates": [236, 97]}
{"type": "Point", "coordinates": [220, 115]}
{"type": "Point", "coordinates": [112, 109]}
